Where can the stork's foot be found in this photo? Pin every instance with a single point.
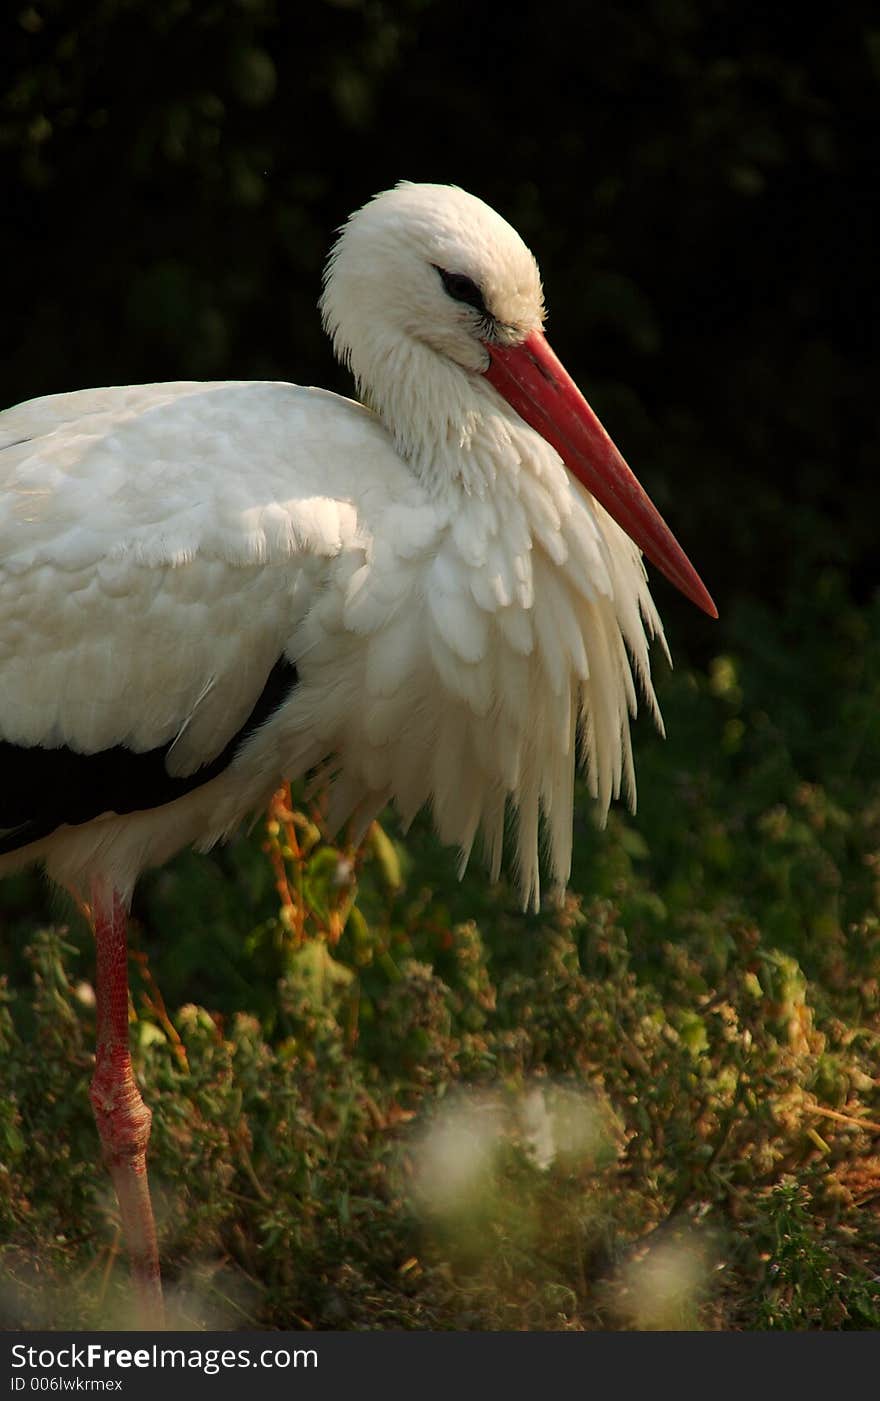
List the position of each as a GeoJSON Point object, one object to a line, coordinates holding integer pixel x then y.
{"type": "Point", "coordinates": [122, 1117]}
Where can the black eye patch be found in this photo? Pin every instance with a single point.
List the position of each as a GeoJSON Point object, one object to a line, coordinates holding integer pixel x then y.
{"type": "Point", "coordinates": [463, 289]}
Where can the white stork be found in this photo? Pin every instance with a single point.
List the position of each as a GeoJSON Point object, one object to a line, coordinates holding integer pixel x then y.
{"type": "Point", "coordinates": [435, 595]}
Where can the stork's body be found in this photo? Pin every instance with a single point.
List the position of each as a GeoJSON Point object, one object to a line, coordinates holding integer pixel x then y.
{"type": "Point", "coordinates": [208, 588]}
{"type": "Point", "coordinates": [437, 644]}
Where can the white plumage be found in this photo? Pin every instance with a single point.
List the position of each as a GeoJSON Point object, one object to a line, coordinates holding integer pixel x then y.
{"type": "Point", "coordinates": [457, 606]}
{"type": "Point", "coordinates": [161, 547]}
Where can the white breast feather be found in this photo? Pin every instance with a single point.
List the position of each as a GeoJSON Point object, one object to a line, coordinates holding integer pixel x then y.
{"type": "Point", "coordinates": [469, 703]}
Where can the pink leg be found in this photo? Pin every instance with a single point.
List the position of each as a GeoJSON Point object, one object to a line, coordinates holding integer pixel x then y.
{"type": "Point", "coordinates": [122, 1117]}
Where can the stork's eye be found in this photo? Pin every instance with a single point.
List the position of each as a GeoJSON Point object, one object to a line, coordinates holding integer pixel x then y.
{"type": "Point", "coordinates": [463, 289]}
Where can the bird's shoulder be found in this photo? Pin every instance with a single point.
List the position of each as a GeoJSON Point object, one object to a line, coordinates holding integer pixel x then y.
{"type": "Point", "coordinates": [243, 470]}
{"type": "Point", "coordinates": [159, 545]}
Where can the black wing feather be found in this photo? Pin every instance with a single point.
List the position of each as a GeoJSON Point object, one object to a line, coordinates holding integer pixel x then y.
{"type": "Point", "coordinates": [43, 789]}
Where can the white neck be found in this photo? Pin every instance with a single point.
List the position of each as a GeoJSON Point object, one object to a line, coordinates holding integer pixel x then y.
{"type": "Point", "coordinates": [447, 423]}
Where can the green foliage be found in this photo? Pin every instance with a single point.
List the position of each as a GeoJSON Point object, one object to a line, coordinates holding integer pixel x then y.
{"type": "Point", "coordinates": [410, 1105]}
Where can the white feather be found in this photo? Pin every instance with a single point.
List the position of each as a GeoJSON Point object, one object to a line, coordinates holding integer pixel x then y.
{"type": "Point", "coordinates": [455, 604]}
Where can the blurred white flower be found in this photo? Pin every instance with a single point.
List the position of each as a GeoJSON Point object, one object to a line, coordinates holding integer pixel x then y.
{"type": "Point", "coordinates": [454, 1158]}
{"type": "Point", "coordinates": [659, 1288]}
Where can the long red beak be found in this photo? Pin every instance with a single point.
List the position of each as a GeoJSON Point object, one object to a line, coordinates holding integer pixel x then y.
{"type": "Point", "coordinates": [535, 383]}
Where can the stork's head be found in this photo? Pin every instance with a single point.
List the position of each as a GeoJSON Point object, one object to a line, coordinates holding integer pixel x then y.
{"type": "Point", "coordinates": [431, 266]}
{"type": "Point", "coordinates": [434, 264]}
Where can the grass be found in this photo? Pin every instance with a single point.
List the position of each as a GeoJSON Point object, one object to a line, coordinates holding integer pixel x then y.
{"type": "Point", "coordinates": [384, 1099]}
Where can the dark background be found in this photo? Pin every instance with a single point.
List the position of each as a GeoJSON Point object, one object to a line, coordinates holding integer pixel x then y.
{"type": "Point", "coordinates": [696, 180]}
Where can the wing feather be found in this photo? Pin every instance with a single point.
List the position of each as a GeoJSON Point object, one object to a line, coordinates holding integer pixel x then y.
{"type": "Point", "coordinates": [159, 546]}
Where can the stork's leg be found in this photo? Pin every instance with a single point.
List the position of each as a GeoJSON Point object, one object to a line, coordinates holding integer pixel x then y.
{"type": "Point", "coordinates": [122, 1117]}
